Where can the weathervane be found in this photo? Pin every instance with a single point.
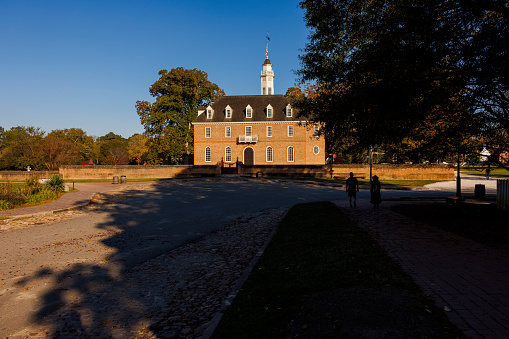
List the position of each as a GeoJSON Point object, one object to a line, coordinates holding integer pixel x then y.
{"type": "Point", "coordinates": [267, 48]}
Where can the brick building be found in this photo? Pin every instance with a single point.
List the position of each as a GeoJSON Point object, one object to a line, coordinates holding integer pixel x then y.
{"type": "Point", "coordinates": [256, 129]}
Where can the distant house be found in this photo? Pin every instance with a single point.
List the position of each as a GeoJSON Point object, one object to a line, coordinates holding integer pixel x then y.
{"type": "Point", "coordinates": [257, 130]}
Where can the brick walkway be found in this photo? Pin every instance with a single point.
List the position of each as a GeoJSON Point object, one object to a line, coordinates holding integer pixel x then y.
{"type": "Point", "coordinates": [86, 190]}
{"type": "Point", "coordinates": [469, 278]}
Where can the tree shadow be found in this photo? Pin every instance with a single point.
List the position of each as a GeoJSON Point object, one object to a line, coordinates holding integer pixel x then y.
{"type": "Point", "coordinates": [83, 295]}
{"type": "Point", "coordinates": [123, 293]}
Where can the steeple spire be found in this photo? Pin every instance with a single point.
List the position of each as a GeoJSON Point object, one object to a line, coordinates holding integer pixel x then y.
{"type": "Point", "coordinates": [267, 48]}
{"type": "Point", "coordinates": [267, 76]}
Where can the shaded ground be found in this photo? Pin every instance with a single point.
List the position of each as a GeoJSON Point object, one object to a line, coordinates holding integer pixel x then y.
{"type": "Point", "coordinates": [323, 277]}
{"type": "Point", "coordinates": [482, 223]}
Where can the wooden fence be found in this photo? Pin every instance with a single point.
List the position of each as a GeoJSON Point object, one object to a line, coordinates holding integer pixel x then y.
{"type": "Point", "coordinates": [503, 194]}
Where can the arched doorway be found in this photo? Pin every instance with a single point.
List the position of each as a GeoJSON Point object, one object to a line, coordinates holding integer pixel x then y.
{"type": "Point", "coordinates": [248, 156]}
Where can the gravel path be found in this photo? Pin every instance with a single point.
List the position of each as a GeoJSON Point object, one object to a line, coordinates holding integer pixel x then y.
{"type": "Point", "coordinates": [175, 295]}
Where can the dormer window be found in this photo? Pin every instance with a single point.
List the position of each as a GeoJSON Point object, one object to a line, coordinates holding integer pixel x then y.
{"type": "Point", "coordinates": [249, 111]}
{"type": "Point", "coordinates": [210, 111]}
{"type": "Point", "coordinates": [269, 111]}
{"type": "Point", "coordinates": [228, 112]}
{"type": "Point", "coordinates": [288, 111]}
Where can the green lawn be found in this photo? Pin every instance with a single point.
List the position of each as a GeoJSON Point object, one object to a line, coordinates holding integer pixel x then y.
{"type": "Point", "coordinates": [321, 276]}
{"type": "Point", "coordinates": [481, 171]}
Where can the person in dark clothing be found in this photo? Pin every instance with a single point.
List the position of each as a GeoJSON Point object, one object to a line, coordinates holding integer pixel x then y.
{"type": "Point", "coordinates": [352, 187]}
{"type": "Point", "coordinates": [376, 198]}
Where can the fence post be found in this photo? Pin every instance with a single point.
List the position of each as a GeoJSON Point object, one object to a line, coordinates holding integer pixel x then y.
{"type": "Point", "coordinates": [503, 194]}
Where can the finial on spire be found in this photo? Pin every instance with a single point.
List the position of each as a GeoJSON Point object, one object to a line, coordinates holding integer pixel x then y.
{"type": "Point", "coordinates": [267, 48]}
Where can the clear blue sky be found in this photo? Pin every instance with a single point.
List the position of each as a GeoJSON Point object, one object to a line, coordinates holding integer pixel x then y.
{"type": "Point", "coordinates": [84, 64]}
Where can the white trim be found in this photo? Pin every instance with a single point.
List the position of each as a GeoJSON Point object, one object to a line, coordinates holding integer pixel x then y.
{"type": "Point", "coordinates": [293, 154]}
{"type": "Point", "coordinates": [270, 110]}
{"type": "Point", "coordinates": [286, 111]}
{"type": "Point", "coordinates": [209, 129]}
{"type": "Point", "coordinates": [250, 110]}
{"type": "Point", "coordinates": [226, 112]}
{"type": "Point", "coordinates": [210, 112]}
{"type": "Point", "coordinates": [226, 154]}
{"type": "Point", "coordinates": [271, 131]}
{"type": "Point", "coordinates": [250, 132]}
{"type": "Point", "coordinates": [267, 154]}
{"type": "Point", "coordinates": [290, 128]}
{"type": "Point", "coordinates": [210, 154]}
{"type": "Point", "coordinates": [226, 134]}
{"type": "Point", "coordinates": [316, 148]}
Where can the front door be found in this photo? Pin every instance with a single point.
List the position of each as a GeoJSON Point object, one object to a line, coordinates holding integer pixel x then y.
{"type": "Point", "coordinates": [249, 156]}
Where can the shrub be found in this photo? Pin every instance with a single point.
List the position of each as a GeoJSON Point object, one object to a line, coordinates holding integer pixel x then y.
{"type": "Point", "coordinates": [10, 194]}
{"type": "Point", "coordinates": [55, 183]}
{"type": "Point", "coordinates": [32, 185]}
{"type": "Point", "coordinates": [5, 205]}
{"type": "Point", "coordinates": [40, 197]}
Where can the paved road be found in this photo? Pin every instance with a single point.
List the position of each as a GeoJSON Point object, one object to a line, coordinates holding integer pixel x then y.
{"type": "Point", "coordinates": [100, 246]}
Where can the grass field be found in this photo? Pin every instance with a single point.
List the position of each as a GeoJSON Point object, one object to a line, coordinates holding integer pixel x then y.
{"type": "Point", "coordinates": [481, 171]}
{"type": "Point", "coordinates": [323, 277]}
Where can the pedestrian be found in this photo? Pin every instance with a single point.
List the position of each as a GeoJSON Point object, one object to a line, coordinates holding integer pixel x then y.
{"type": "Point", "coordinates": [488, 171]}
{"type": "Point", "coordinates": [352, 187]}
{"type": "Point", "coordinates": [375, 188]}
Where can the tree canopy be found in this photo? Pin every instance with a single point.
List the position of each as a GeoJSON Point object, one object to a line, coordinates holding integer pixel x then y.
{"type": "Point", "coordinates": [167, 121]}
{"type": "Point", "coordinates": [387, 72]}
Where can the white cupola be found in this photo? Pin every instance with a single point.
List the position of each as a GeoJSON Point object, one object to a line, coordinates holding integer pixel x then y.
{"type": "Point", "coordinates": [267, 78]}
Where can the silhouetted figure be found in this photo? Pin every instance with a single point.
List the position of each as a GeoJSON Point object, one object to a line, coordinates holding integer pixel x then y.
{"type": "Point", "coordinates": [352, 187]}
{"type": "Point", "coordinates": [375, 188]}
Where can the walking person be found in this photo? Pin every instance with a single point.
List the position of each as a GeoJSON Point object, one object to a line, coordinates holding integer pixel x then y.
{"type": "Point", "coordinates": [375, 188]}
{"type": "Point", "coordinates": [488, 171]}
{"type": "Point", "coordinates": [352, 187]}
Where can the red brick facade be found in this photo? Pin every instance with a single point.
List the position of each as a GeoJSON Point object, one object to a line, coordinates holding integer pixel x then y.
{"type": "Point", "coordinates": [263, 136]}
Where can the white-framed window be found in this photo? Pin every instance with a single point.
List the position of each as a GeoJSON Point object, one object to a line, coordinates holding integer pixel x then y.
{"type": "Point", "coordinates": [316, 150]}
{"type": "Point", "coordinates": [249, 131]}
{"type": "Point", "coordinates": [228, 112]}
{"type": "Point", "coordinates": [270, 90]}
{"type": "Point", "coordinates": [269, 111]}
{"type": "Point", "coordinates": [207, 132]}
{"type": "Point", "coordinates": [208, 154]}
{"type": "Point", "coordinates": [249, 111]}
{"type": "Point", "coordinates": [227, 131]}
{"type": "Point", "coordinates": [264, 91]}
{"type": "Point", "coordinates": [209, 112]}
{"type": "Point", "coordinates": [288, 111]}
{"type": "Point", "coordinates": [268, 154]}
{"type": "Point", "coordinates": [289, 154]}
{"type": "Point", "coordinates": [290, 130]}
{"type": "Point", "coordinates": [228, 154]}
{"type": "Point", "coordinates": [316, 130]}
{"type": "Point", "coordinates": [269, 131]}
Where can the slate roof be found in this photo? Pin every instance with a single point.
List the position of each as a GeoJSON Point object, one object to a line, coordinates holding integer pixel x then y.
{"type": "Point", "coordinates": [258, 104]}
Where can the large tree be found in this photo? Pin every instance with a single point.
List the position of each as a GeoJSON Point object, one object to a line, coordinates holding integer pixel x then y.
{"type": "Point", "coordinates": [138, 148]}
{"type": "Point", "coordinates": [113, 149]}
{"type": "Point", "coordinates": [56, 152]}
{"type": "Point", "coordinates": [385, 69]}
{"type": "Point", "coordinates": [21, 148]}
{"type": "Point", "coordinates": [167, 121]}
{"type": "Point", "coordinates": [85, 143]}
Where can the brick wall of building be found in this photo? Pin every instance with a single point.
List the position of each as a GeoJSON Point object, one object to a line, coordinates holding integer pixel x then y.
{"type": "Point", "coordinates": [302, 141]}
